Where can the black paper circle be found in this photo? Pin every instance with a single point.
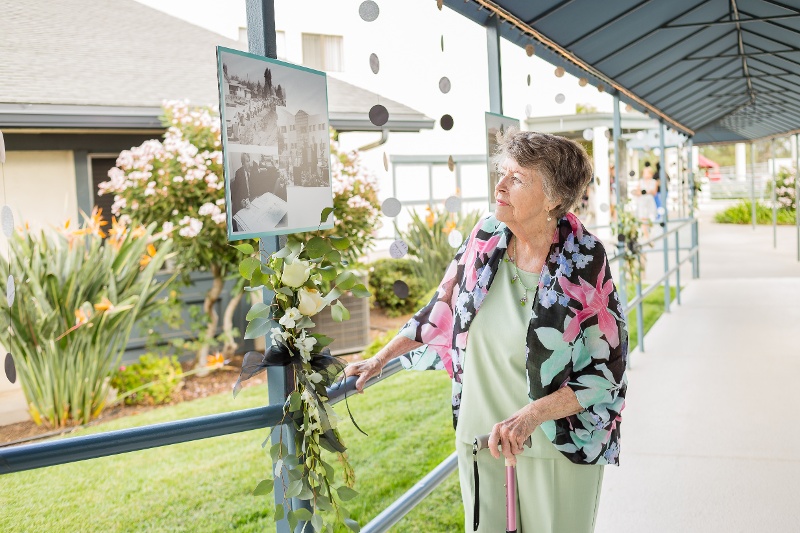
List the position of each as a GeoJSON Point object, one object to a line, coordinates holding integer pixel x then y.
{"type": "Point", "coordinates": [11, 370]}
{"type": "Point", "coordinates": [374, 63]}
{"type": "Point", "coordinates": [529, 80]}
{"type": "Point", "coordinates": [391, 207]}
{"type": "Point", "coordinates": [441, 41]}
{"type": "Point", "coordinates": [447, 122]}
{"type": "Point", "coordinates": [631, 173]}
{"type": "Point", "coordinates": [400, 289]}
{"type": "Point", "coordinates": [444, 84]}
{"type": "Point", "coordinates": [378, 115]}
{"type": "Point", "coordinates": [368, 10]}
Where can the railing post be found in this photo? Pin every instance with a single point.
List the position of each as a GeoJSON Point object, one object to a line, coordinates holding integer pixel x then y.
{"type": "Point", "coordinates": [797, 190]}
{"type": "Point", "coordinates": [678, 270]}
{"type": "Point", "coordinates": [261, 40]}
{"type": "Point", "coordinates": [639, 309]}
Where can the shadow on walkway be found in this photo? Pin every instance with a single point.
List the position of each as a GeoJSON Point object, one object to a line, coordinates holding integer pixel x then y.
{"type": "Point", "coordinates": [709, 436]}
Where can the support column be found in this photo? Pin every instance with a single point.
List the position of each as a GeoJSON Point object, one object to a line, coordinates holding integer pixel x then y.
{"type": "Point", "coordinates": [796, 157]}
{"type": "Point", "coordinates": [740, 151]}
{"type": "Point", "coordinates": [753, 184]}
{"type": "Point", "coordinates": [774, 171]}
{"type": "Point", "coordinates": [619, 175]}
{"type": "Point", "coordinates": [495, 78]}
{"type": "Point", "coordinates": [602, 191]}
{"type": "Point", "coordinates": [665, 216]}
{"type": "Point", "coordinates": [261, 40]}
{"type": "Point", "coordinates": [692, 198]}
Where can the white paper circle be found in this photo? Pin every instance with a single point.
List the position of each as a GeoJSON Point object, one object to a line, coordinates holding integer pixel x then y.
{"type": "Point", "coordinates": [656, 151]}
{"type": "Point", "coordinates": [588, 134]}
{"type": "Point", "coordinates": [453, 204]}
{"type": "Point", "coordinates": [368, 10]}
{"type": "Point", "coordinates": [660, 211]}
{"type": "Point", "coordinates": [11, 291]}
{"type": "Point", "coordinates": [603, 207]}
{"type": "Point", "coordinates": [444, 84]}
{"type": "Point", "coordinates": [7, 217]}
{"type": "Point", "coordinates": [640, 134]}
{"type": "Point", "coordinates": [455, 238]}
{"type": "Point", "coordinates": [391, 207]}
{"type": "Point", "coordinates": [374, 63]}
{"type": "Point", "coordinates": [560, 98]}
{"type": "Point", "coordinates": [398, 249]}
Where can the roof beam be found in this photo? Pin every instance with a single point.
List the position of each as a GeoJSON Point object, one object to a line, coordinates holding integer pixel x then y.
{"type": "Point", "coordinates": [782, 5]}
{"type": "Point", "coordinates": [701, 78]}
{"type": "Point", "coordinates": [607, 24]}
{"type": "Point", "coordinates": [548, 12]}
{"type": "Point", "coordinates": [645, 36]}
{"type": "Point", "coordinates": [741, 51]}
{"type": "Point", "coordinates": [751, 54]}
{"type": "Point", "coordinates": [722, 22]}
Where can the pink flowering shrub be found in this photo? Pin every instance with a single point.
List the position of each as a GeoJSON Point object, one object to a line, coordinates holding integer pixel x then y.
{"type": "Point", "coordinates": [785, 190]}
{"type": "Point", "coordinates": [178, 183]}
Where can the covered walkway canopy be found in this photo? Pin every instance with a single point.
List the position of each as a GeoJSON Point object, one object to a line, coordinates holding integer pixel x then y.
{"type": "Point", "coordinates": [716, 70]}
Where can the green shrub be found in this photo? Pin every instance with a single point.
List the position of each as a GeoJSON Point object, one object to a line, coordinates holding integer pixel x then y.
{"type": "Point", "coordinates": [151, 381]}
{"type": "Point", "coordinates": [379, 342]}
{"type": "Point", "coordinates": [740, 213]}
{"type": "Point", "coordinates": [383, 274]}
{"type": "Point", "coordinates": [77, 298]}
{"type": "Point", "coordinates": [427, 241]}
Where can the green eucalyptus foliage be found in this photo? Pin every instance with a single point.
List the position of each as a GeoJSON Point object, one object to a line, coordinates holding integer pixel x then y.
{"type": "Point", "coordinates": [307, 275]}
{"type": "Point", "coordinates": [77, 299]}
{"type": "Point", "coordinates": [428, 241]}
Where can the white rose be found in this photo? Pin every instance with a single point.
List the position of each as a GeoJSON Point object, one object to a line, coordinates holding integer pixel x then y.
{"type": "Point", "coordinates": [311, 302]}
{"type": "Point", "coordinates": [295, 274]}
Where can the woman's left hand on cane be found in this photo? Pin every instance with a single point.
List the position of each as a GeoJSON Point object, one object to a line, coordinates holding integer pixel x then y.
{"type": "Point", "coordinates": [511, 433]}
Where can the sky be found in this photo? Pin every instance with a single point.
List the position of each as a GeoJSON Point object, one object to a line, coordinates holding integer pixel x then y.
{"type": "Point", "coordinates": [222, 16]}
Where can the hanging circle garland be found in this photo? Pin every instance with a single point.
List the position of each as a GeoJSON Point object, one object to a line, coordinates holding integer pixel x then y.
{"type": "Point", "coordinates": [559, 72]}
{"type": "Point", "coordinates": [369, 10]}
{"type": "Point", "coordinates": [11, 291]}
{"type": "Point", "coordinates": [453, 204]}
{"type": "Point", "coordinates": [446, 122]}
{"type": "Point", "coordinates": [391, 207]}
{"type": "Point", "coordinates": [400, 289]}
{"type": "Point", "coordinates": [385, 162]}
{"type": "Point", "coordinates": [529, 80]}
{"type": "Point", "coordinates": [374, 63]}
{"type": "Point", "coordinates": [588, 134]}
{"type": "Point", "coordinates": [528, 110]}
{"type": "Point", "coordinates": [378, 115]}
{"type": "Point", "coordinates": [582, 82]}
{"type": "Point", "coordinates": [451, 163]}
{"type": "Point", "coordinates": [444, 84]}
{"type": "Point", "coordinates": [11, 369]}
{"type": "Point", "coordinates": [455, 239]}
{"type": "Point", "coordinates": [560, 98]}
{"type": "Point", "coordinates": [398, 249]}
{"type": "Point", "coordinates": [8, 221]}
{"type": "Point", "coordinates": [530, 50]}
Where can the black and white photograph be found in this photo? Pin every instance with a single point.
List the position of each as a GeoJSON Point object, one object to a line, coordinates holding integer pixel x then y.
{"type": "Point", "coordinates": [276, 145]}
{"type": "Point", "coordinates": [496, 125]}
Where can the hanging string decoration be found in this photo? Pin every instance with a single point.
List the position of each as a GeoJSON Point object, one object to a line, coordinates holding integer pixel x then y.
{"type": "Point", "coordinates": [368, 11]}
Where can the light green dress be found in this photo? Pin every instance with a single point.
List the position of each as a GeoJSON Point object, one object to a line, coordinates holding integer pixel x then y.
{"type": "Point", "coordinates": [554, 494]}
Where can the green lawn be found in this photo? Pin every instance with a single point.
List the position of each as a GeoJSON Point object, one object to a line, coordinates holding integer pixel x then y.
{"type": "Point", "coordinates": [652, 308]}
{"type": "Point", "coordinates": [205, 485]}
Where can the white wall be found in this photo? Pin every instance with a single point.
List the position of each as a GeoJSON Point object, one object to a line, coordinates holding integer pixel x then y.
{"type": "Point", "coordinates": [40, 189]}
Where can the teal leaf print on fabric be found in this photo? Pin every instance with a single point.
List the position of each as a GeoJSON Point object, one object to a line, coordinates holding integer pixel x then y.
{"type": "Point", "coordinates": [581, 355]}
{"type": "Point", "coordinates": [552, 339]}
{"type": "Point", "coordinates": [598, 390]}
{"type": "Point", "coordinates": [597, 346]}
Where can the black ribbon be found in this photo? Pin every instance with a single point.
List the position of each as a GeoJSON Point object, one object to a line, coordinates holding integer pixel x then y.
{"type": "Point", "coordinates": [322, 363]}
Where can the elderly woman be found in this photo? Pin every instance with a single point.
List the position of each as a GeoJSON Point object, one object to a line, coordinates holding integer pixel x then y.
{"type": "Point", "coordinates": [529, 326]}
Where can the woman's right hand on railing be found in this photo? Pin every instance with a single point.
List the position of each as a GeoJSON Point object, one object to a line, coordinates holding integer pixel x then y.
{"type": "Point", "coordinates": [365, 370]}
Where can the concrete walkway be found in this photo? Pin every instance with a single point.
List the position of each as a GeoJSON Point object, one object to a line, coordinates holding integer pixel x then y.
{"type": "Point", "coordinates": [708, 431]}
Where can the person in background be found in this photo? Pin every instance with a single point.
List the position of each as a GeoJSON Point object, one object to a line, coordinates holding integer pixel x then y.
{"type": "Point", "coordinates": [529, 326]}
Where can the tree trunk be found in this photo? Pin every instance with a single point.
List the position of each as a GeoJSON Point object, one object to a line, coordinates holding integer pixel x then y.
{"type": "Point", "coordinates": [212, 296]}
{"type": "Point", "coordinates": [227, 326]}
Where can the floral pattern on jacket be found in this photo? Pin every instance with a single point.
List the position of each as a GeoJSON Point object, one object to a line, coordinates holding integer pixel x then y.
{"type": "Point", "coordinates": [577, 335]}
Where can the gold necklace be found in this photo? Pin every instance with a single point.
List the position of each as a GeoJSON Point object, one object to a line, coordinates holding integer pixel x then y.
{"type": "Point", "coordinates": [516, 277]}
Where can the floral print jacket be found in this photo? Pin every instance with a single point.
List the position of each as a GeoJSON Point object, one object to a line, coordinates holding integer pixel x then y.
{"type": "Point", "coordinates": [577, 334]}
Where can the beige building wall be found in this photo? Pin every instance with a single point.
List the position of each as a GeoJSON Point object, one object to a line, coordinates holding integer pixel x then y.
{"type": "Point", "coordinates": [40, 189]}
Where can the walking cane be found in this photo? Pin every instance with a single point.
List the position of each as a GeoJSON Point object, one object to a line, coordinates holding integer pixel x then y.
{"type": "Point", "coordinates": [482, 442]}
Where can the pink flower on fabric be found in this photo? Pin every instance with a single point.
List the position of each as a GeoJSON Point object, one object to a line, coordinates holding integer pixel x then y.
{"type": "Point", "coordinates": [477, 247]}
{"type": "Point", "coordinates": [438, 333]}
{"type": "Point", "coordinates": [595, 302]}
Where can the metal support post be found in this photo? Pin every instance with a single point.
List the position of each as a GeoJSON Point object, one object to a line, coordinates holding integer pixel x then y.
{"type": "Point", "coordinates": [692, 198]}
{"type": "Point", "coordinates": [623, 282]}
{"type": "Point", "coordinates": [662, 175]}
{"type": "Point", "coordinates": [495, 78]}
{"type": "Point", "coordinates": [261, 40]}
{"type": "Point", "coordinates": [797, 191]}
{"type": "Point", "coordinates": [753, 184]}
{"type": "Point", "coordinates": [678, 270]}
{"type": "Point", "coordinates": [639, 310]}
{"type": "Point", "coordinates": [774, 195]}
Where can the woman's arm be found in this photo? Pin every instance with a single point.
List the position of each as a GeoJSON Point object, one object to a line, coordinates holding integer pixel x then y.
{"type": "Point", "coordinates": [510, 434]}
{"type": "Point", "coordinates": [372, 367]}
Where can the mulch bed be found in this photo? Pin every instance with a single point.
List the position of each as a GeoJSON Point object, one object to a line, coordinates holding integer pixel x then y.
{"type": "Point", "coordinates": [194, 387]}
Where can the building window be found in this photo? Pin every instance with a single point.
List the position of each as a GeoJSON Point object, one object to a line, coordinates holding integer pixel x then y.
{"type": "Point", "coordinates": [323, 52]}
{"type": "Point", "coordinates": [100, 165]}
